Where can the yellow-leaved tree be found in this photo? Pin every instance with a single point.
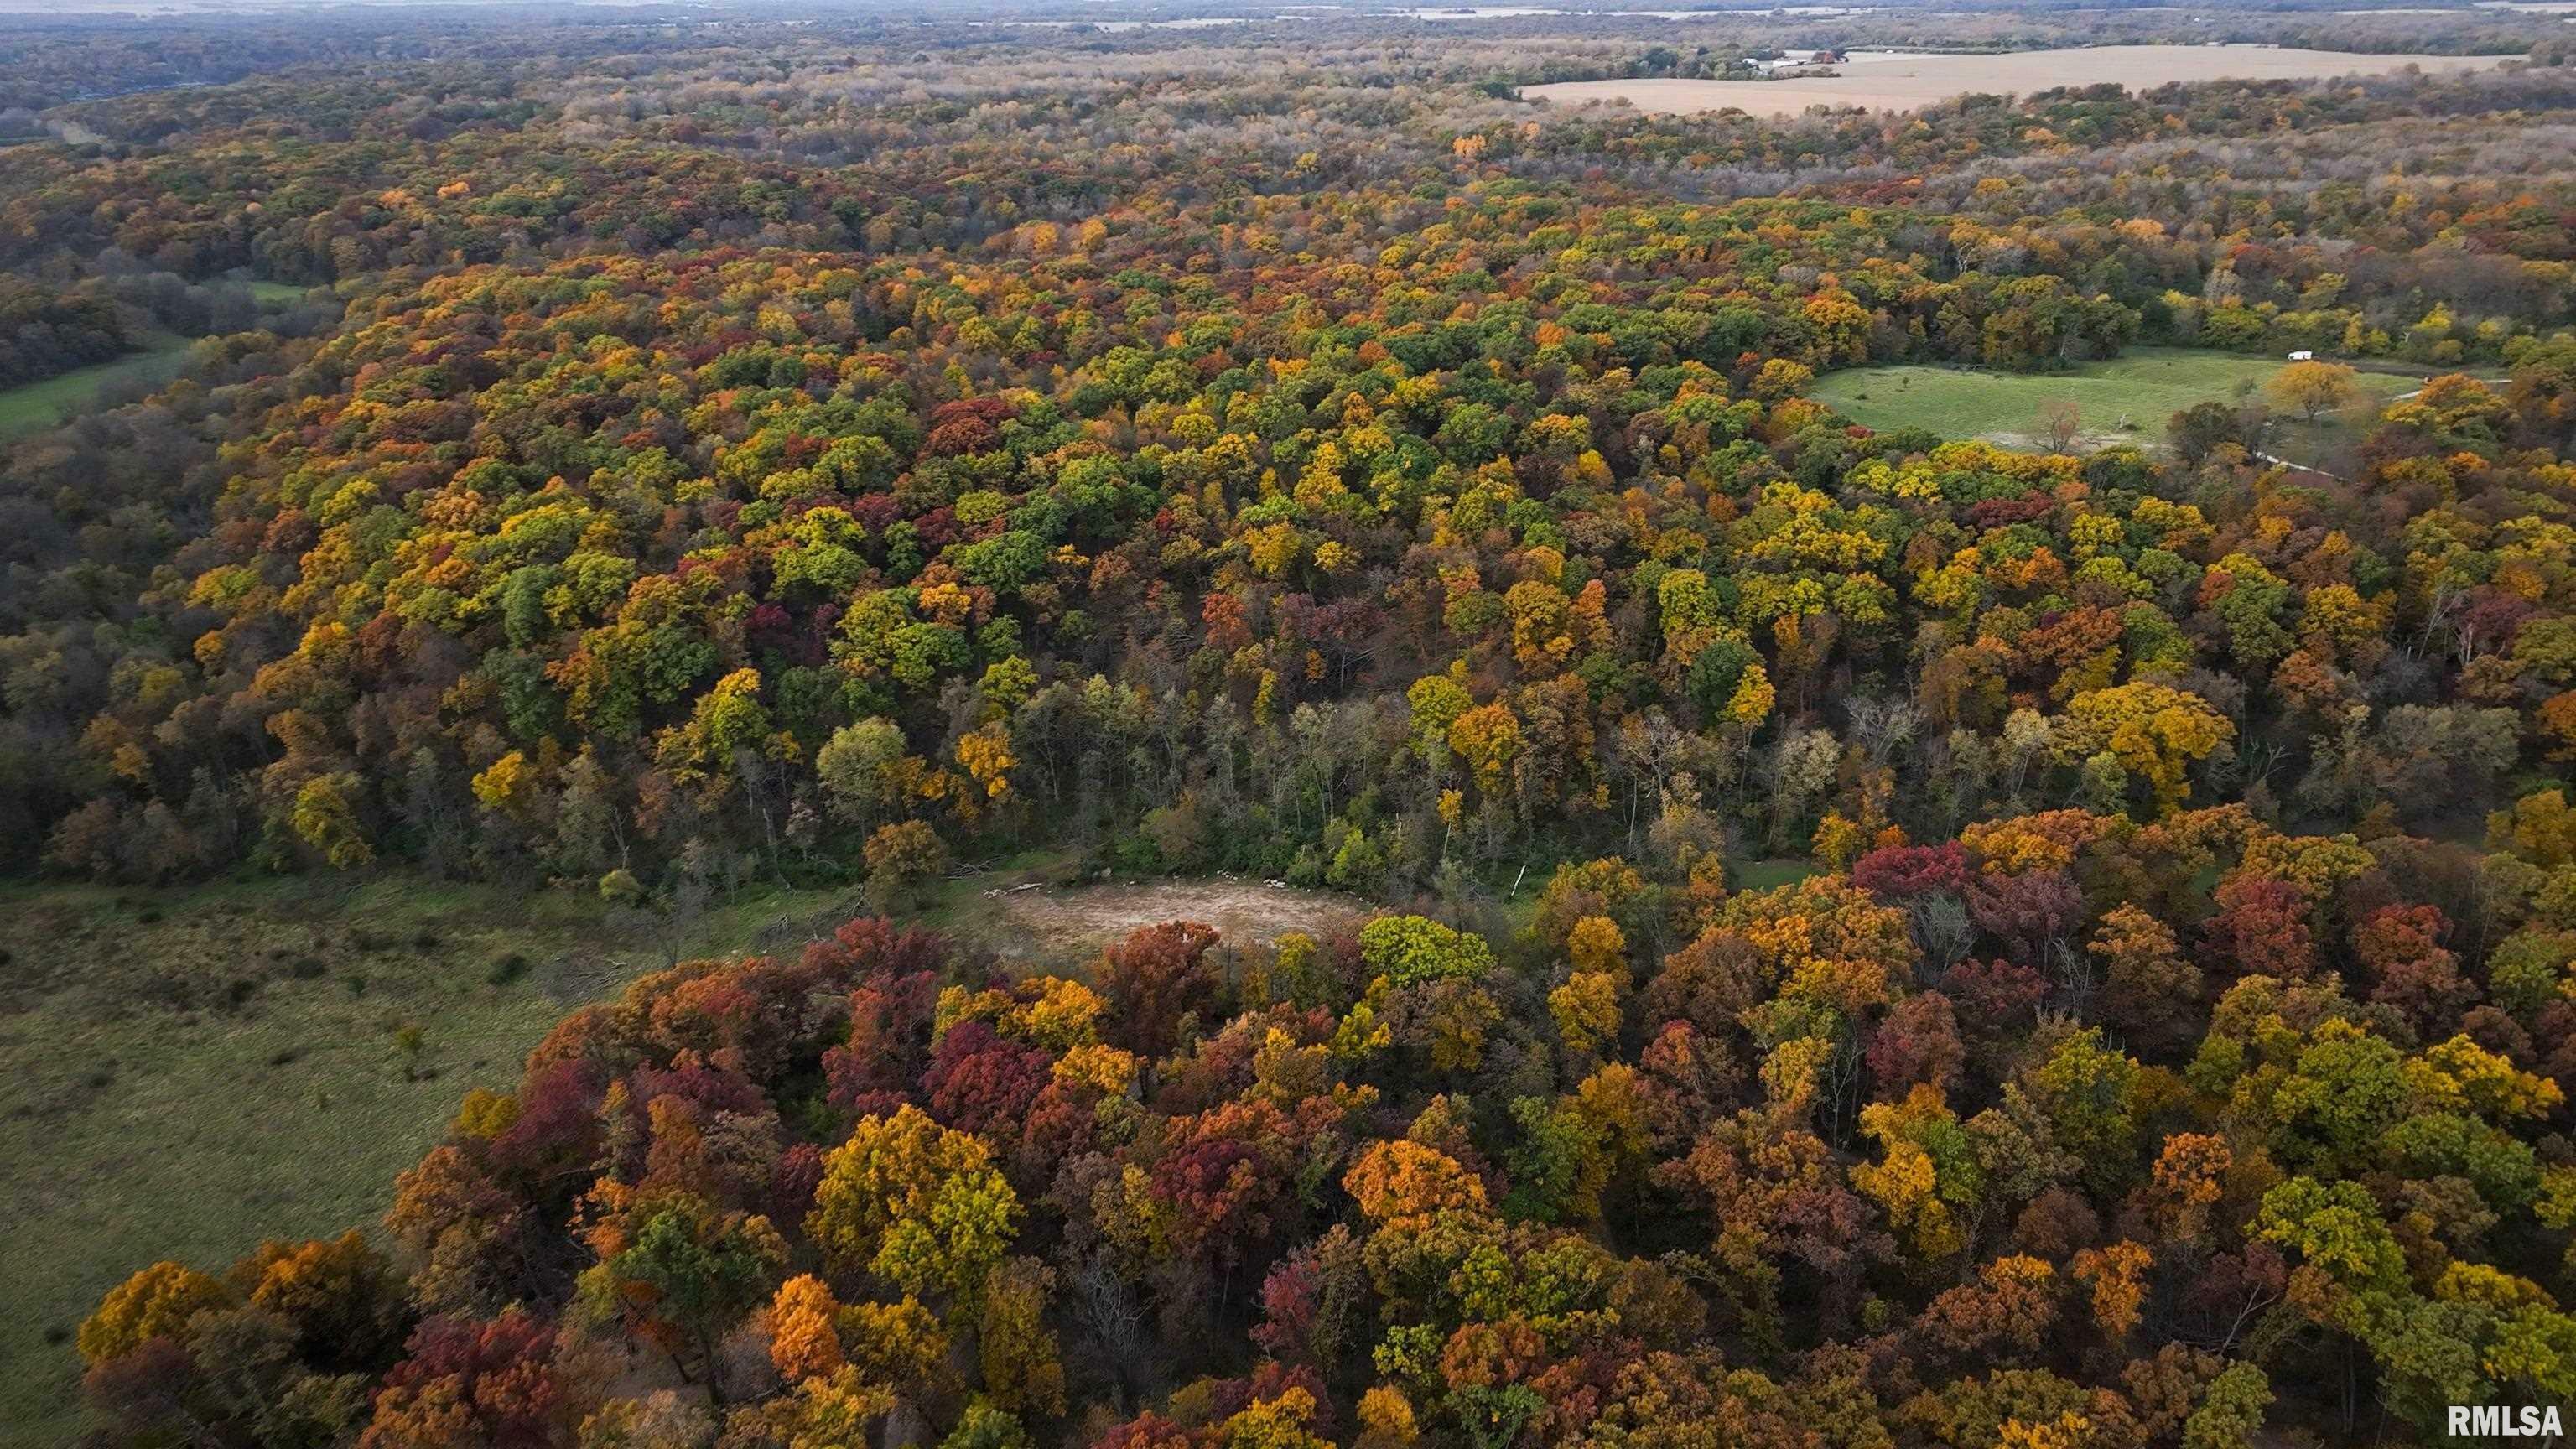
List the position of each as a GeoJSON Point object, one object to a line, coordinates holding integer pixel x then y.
{"type": "Point", "coordinates": [2155, 731]}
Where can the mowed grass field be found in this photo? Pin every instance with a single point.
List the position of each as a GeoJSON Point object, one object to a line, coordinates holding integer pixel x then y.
{"type": "Point", "coordinates": [2127, 398]}
{"type": "Point", "coordinates": [184, 1072]}
{"type": "Point", "coordinates": [35, 405]}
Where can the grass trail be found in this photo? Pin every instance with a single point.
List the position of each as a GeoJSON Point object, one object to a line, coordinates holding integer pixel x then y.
{"type": "Point", "coordinates": [34, 405]}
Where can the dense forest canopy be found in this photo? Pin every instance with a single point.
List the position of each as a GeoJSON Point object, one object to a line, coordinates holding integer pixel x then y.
{"type": "Point", "coordinates": [1877, 937]}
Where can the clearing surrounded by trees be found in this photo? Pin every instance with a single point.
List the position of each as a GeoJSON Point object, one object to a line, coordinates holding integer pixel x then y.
{"type": "Point", "coordinates": [1055, 920]}
{"type": "Point", "coordinates": [2140, 388]}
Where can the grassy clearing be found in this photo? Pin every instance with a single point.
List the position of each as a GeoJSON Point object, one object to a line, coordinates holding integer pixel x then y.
{"type": "Point", "coordinates": [276, 291]}
{"type": "Point", "coordinates": [34, 405]}
{"type": "Point", "coordinates": [1763, 875]}
{"type": "Point", "coordinates": [184, 1072]}
{"type": "Point", "coordinates": [2125, 399]}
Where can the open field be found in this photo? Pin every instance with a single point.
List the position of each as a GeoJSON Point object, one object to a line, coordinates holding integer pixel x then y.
{"type": "Point", "coordinates": [2125, 399]}
{"type": "Point", "coordinates": [184, 1072]}
{"type": "Point", "coordinates": [1916, 81]}
{"type": "Point", "coordinates": [39, 404]}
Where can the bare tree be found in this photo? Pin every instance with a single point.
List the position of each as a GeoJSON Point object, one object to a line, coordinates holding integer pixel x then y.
{"type": "Point", "coordinates": [2061, 422]}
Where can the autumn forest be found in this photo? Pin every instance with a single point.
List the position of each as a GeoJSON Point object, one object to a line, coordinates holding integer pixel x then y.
{"type": "Point", "coordinates": [1904, 776]}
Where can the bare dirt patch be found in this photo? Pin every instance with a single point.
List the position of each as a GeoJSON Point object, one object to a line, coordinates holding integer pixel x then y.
{"type": "Point", "coordinates": [1916, 81]}
{"type": "Point", "coordinates": [1052, 921]}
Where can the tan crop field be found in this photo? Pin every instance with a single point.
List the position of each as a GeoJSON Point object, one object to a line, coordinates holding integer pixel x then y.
{"type": "Point", "coordinates": [1908, 82]}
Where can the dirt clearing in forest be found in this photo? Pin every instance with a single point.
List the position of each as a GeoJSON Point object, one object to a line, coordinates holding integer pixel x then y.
{"type": "Point", "coordinates": [1043, 920]}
